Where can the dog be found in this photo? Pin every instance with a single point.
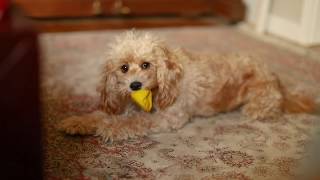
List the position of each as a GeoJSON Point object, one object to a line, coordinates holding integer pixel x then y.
{"type": "Point", "coordinates": [183, 85]}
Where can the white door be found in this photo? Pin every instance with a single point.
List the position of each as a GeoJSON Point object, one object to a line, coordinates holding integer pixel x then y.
{"type": "Point", "coordinates": [296, 20]}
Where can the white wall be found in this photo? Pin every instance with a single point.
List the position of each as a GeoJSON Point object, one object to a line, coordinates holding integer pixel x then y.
{"type": "Point", "coordinates": [288, 9]}
{"type": "Point", "coordinates": [252, 11]}
{"type": "Point", "coordinates": [295, 20]}
{"type": "Point", "coordinates": [318, 25]}
{"type": "Point", "coordinates": [292, 12]}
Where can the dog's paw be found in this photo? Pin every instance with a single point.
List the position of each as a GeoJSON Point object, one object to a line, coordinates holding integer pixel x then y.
{"type": "Point", "coordinates": [76, 125]}
{"type": "Point", "coordinates": [112, 132]}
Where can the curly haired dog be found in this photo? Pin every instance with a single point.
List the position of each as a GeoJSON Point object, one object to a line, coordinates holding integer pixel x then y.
{"type": "Point", "coordinates": [183, 85]}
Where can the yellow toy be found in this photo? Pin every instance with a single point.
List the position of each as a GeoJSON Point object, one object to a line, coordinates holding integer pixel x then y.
{"type": "Point", "coordinates": [143, 98]}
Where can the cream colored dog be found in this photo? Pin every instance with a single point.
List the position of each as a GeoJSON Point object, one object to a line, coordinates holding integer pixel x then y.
{"type": "Point", "coordinates": [183, 85]}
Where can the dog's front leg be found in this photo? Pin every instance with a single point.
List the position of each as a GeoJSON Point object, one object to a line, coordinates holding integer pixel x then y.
{"type": "Point", "coordinates": [140, 124]}
{"type": "Point", "coordinates": [83, 125]}
{"type": "Point", "coordinates": [121, 127]}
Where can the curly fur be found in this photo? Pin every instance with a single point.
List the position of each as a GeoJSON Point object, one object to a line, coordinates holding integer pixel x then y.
{"type": "Point", "coordinates": [184, 85]}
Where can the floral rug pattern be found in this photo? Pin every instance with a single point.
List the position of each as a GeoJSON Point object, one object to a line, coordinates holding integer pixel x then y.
{"type": "Point", "coordinates": [227, 146]}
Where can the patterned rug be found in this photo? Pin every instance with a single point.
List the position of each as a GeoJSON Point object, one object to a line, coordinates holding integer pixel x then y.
{"type": "Point", "coordinates": [227, 146]}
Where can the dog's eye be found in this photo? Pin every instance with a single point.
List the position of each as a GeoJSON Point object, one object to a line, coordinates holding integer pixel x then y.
{"type": "Point", "coordinates": [145, 65]}
{"type": "Point", "coordinates": [125, 68]}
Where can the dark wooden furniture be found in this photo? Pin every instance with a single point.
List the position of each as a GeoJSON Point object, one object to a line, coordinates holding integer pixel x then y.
{"type": "Point", "coordinates": [51, 14]}
{"type": "Point", "coordinates": [20, 131]}
{"type": "Point", "coordinates": [231, 9]}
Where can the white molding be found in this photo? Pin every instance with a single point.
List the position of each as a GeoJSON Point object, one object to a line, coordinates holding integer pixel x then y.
{"type": "Point", "coordinates": [308, 21]}
{"type": "Point", "coordinates": [317, 24]}
{"type": "Point", "coordinates": [263, 16]}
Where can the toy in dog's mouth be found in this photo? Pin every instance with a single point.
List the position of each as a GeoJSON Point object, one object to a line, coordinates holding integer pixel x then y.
{"type": "Point", "coordinates": [143, 98]}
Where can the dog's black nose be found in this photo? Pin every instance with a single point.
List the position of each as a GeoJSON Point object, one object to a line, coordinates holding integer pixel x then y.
{"type": "Point", "coordinates": [136, 85]}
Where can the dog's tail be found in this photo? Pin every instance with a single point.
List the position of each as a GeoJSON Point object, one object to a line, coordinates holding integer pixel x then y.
{"type": "Point", "coordinates": [297, 103]}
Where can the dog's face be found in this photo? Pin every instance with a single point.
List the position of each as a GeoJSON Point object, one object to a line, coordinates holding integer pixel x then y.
{"type": "Point", "coordinates": [135, 73]}
{"type": "Point", "coordinates": [138, 61]}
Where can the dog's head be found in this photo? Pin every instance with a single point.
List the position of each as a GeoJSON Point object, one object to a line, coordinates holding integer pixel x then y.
{"type": "Point", "coordinates": [139, 60]}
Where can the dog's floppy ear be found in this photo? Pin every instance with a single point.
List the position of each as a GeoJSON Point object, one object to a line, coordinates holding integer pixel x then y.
{"type": "Point", "coordinates": [169, 72]}
{"type": "Point", "coordinates": [110, 98]}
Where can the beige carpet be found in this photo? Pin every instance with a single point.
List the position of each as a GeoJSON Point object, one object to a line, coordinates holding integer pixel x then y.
{"type": "Point", "coordinates": [227, 146]}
